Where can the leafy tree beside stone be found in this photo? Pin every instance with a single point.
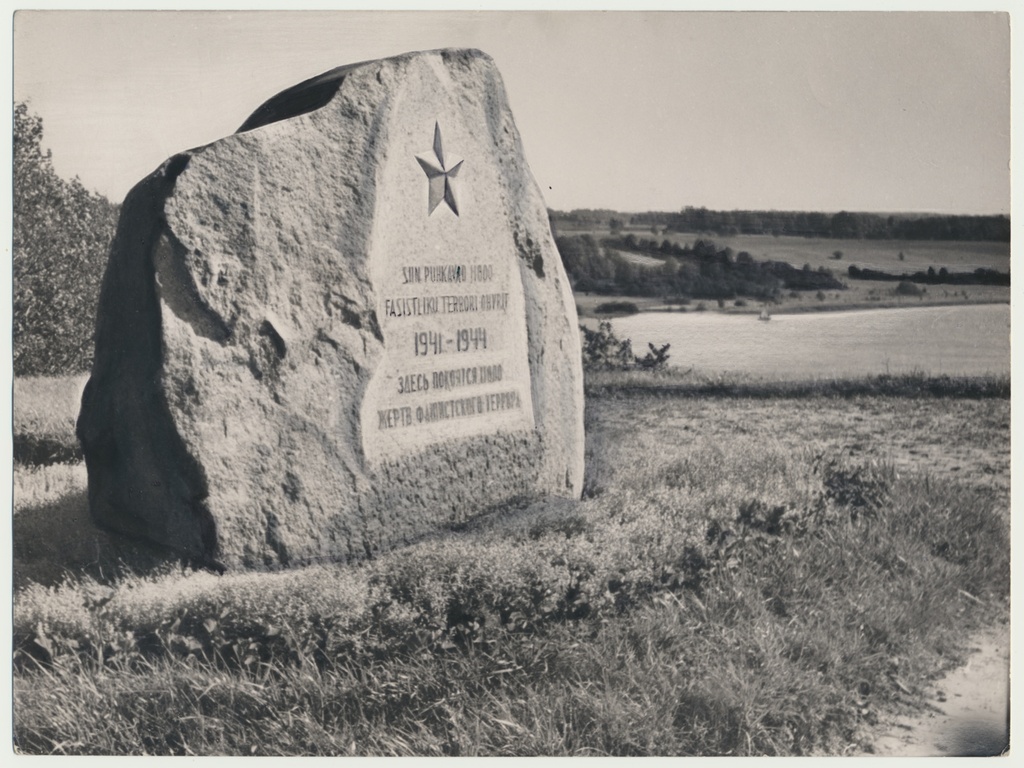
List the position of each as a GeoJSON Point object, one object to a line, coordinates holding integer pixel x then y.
{"type": "Point", "coordinates": [61, 236]}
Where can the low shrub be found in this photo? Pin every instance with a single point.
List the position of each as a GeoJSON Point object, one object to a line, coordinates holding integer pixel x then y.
{"type": "Point", "coordinates": [603, 351]}
{"type": "Point", "coordinates": [656, 358]}
{"type": "Point", "coordinates": [616, 307]}
{"type": "Point", "coordinates": [907, 288]}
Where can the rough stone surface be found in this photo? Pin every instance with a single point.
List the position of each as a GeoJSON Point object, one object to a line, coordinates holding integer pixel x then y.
{"type": "Point", "coordinates": [320, 337]}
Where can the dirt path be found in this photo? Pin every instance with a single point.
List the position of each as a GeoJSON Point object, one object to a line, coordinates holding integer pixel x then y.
{"type": "Point", "coordinates": [967, 710]}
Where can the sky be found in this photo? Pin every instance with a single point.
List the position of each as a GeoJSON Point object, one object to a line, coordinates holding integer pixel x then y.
{"type": "Point", "coordinates": [630, 111]}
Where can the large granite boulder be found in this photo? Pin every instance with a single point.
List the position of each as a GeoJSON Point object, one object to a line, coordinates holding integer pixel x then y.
{"type": "Point", "coordinates": [336, 330]}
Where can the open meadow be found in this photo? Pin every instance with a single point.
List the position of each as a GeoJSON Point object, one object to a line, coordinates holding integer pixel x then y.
{"type": "Point", "coordinates": [966, 340]}
{"type": "Point", "coordinates": [884, 255]}
{"type": "Point", "coordinates": [754, 569]}
{"type": "Point", "coordinates": [819, 253]}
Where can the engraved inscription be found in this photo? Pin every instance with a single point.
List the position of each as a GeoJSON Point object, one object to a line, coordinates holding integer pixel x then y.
{"type": "Point", "coordinates": [452, 313]}
{"type": "Point", "coordinates": [446, 410]}
{"type": "Point", "coordinates": [448, 273]}
{"type": "Point", "coordinates": [465, 340]}
{"type": "Point", "coordinates": [406, 306]}
{"type": "Point", "coordinates": [452, 378]}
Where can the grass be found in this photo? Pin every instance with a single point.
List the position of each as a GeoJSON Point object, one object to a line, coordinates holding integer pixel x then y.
{"type": "Point", "coordinates": [686, 383]}
{"type": "Point", "coordinates": [45, 411]}
{"type": "Point", "coordinates": [47, 406]}
{"type": "Point", "coordinates": [35, 485]}
{"type": "Point", "coordinates": [727, 585]}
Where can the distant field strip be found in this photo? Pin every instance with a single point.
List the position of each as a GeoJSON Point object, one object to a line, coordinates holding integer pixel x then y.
{"type": "Point", "coordinates": [884, 255]}
{"type": "Point", "coordinates": [640, 259]}
{"type": "Point", "coordinates": [956, 341]}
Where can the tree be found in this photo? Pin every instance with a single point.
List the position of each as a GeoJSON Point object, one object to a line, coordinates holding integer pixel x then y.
{"type": "Point", "coordinates": [845, 225]}
{"type": "Point", "coordinates": [603, 350]}
{"type": "Point", "coordinates": [61, 235]}
{"type": "Point", "coordinates": [655, 360]}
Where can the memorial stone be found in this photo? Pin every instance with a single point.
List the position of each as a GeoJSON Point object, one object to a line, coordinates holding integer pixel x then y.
{"type": "Point", "coordinates": [337, 330]}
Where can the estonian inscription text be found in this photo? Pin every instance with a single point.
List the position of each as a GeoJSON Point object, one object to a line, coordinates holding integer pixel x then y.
{"type": "Point", "coordinates": [448, 273]}
{"type": "Point", "coordinates": [418, 306]}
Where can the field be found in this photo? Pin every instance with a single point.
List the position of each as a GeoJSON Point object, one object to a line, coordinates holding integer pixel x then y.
{"type": "Point", "coordinates": [874, 254]}
{"type": "Point", "coordinates": [949, 340]}
{"type": "Point", "coordinates": [960, 256]}
{"type": "Point", "coordinates": [818, 252]}
{"type": "Point", "coordinates": [755, 568]}
{"type": "Point", "coordinates": [639, 259]}
{"type": "Point", "coordinates": [882, 255]}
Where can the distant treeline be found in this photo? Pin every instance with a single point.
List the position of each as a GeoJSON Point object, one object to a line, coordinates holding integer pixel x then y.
{"type": "Point", "coordinates": [701, 272]}
{"type": "Point", "coordinates": [842, 225]}
{"type": "Point", "coordinates": [980, 276]}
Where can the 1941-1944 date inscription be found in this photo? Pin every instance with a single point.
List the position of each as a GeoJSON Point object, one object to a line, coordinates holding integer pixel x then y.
{"type": "Point", "coordinates": [436, 343]}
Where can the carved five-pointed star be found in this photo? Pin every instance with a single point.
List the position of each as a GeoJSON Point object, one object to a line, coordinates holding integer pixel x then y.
{"type": "Point", "coordinates": [439, 177]}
